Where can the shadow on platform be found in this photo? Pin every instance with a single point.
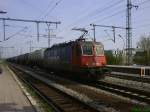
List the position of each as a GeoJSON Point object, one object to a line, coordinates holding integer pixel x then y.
{"type": "Point", "coordinates": [12, 107]}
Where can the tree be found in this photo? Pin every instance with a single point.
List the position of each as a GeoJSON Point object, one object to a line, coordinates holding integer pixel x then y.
{"type": "Point", "coordinates": [113, 59]}
{"type": "Point", "coordinates": [144, 43]}
{"type": "Point", "coordinates": [143, 58]}
{"type": "Point", "coordinates": [109, 57]}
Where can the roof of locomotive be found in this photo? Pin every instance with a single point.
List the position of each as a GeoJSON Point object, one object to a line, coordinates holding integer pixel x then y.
{"type": "Point", "coordinates": [72, 42]}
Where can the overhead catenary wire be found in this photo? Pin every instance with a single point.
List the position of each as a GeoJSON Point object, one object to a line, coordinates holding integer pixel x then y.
{"type": "Point", "coordinates": [29, 20]}
{"type": "Point", "coordinates": [141, 3]}
{"type": "Point", "coordinates": [50, 3]}
{"type": "Point", "coordinates": [116, 13]}
{"type": "Point", "coordinates": [17, 33]}
{"type": "Point", "coordinates": [30, 5]}
{"type": "Point", "coordinates": [61, 0]}
{"type": "Point", "coordinates": [99, 11]}
{"type": "Point", "coordinates": [95, 12]}
{"type": "Point", "coordinates": [55, 5]}
{"type": "Point", "coordinates": [110, 15]}
{"type": "Point", "coordinates": [46, 9]}
{"type": "Point", "coordinates": [109, 7]}
{"type": "Point", "coordinates": [15, 26]}
{"type": "Point", "coordinates": [119, 12]}
{"type": "Point", "coordinates": [141, 9]}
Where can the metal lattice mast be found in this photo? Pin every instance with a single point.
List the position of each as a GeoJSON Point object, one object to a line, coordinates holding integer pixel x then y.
{"type": "Point", "coordinates": [128, 33]}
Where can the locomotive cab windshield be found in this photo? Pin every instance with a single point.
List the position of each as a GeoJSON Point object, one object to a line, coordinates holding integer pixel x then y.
{"type": "Point", "coordinates": [90, 48]}
{"type": "Point", "coordinates": [87, 49]}
{"type": "Point", "coordinates": [99, 50]}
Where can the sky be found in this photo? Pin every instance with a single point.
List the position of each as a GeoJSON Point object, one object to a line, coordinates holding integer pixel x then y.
{"type": "Point", "coordinates": [71, 14]}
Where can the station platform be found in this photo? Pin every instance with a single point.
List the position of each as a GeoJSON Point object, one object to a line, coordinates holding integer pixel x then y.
{"type": "Point", "coordinates": [12, 98]}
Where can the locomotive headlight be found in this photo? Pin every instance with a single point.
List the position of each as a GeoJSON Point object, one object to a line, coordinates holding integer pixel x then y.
{"type": "Point", "coordinates": [86, 64]}
{"type": "Point", "coordinates": [97, 63]}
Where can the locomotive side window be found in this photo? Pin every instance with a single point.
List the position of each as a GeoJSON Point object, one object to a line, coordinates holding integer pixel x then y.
{"type": "Point", "coordinates": [87, 49]}
{"type": "Point", "coordinates": [99, 50]}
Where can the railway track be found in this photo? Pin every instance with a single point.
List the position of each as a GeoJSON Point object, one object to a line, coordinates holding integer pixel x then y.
{"type": "Point", "coordinates": [133, 77]}
{"type": "Point", "coordinates": [100, 99]}
{"type": "Point", "coordinates": [59, 101]}
{"type": "Point", "coordinates": [132, 93]}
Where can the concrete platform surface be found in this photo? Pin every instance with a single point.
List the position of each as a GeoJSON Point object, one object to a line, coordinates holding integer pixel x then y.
{"type": "Point", "coordinates": [12, 98]}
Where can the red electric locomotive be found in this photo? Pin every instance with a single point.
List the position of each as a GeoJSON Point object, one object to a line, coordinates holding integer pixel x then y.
{"type": "Point", "coordinates": [88, 58]}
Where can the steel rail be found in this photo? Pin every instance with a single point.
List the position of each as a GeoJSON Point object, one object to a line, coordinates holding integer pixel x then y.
{"type": "Point", "coordinates": [129, 77]}
{"type": "Point", "coordinates": [132, 93]}
{"type": "Point", "coordinates": [46, 99]}
{"type": "Point", "coordinates": [79, 105]}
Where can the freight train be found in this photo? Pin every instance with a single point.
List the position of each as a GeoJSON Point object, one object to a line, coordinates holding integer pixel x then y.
{"type": "Point", "coordinates": [79, 58]}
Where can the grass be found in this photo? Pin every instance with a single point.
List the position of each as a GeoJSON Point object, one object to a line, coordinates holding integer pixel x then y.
{"type": "Point", "coordinates": [39, 100]}
{"type": "Point", "coordinates": [137, 109]}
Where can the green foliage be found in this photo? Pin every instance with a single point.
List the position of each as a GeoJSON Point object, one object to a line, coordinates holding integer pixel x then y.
{"type": "Point", "coordinates": [137, 109]}
{"type": "Point", "coordinates": [143, 57]}
{"type": "Point", "coordinates": [113, 59]}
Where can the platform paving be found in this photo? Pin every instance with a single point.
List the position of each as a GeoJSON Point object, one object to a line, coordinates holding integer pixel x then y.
{"type": "Point", "coordinates": [12, 98]}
